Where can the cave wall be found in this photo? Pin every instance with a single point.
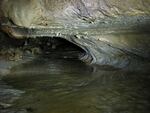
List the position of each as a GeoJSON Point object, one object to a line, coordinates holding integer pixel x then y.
{"type": "Point", "coordinates": [110, 31]}
{"type": "Point", "coordinates": [31, 13]}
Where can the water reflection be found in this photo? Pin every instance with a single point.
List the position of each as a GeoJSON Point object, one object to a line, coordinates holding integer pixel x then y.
{"type": "Point", "coordinates": [70, 86]}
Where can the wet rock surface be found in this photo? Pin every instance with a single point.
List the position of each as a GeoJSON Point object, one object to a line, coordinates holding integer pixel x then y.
{"type": "Point", "coordinates": [102, 32]}
{"type": "Point", "coordinates": [108, 31]}
{"type": "Point", "coordinates": [7, 96]}
{"type": "Point", "coordinates": [72, 86]}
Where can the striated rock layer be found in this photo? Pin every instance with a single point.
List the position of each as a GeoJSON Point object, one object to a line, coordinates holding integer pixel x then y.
{"type": "Point", "coordinates": [112, 32]}
{"type": "Point", "coordinates": [29, 13]}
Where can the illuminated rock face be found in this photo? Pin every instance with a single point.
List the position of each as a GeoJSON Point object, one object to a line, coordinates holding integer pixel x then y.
{"type": "Point", "coordinates": [110, 31]}
{"type": "Point", "coordinates": [31, 13]}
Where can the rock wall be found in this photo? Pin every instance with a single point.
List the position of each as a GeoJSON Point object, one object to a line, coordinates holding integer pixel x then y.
{"type": "Point", "coordinates": [31, 13]}
{"type": "Point", "coordinates": [112, 32]}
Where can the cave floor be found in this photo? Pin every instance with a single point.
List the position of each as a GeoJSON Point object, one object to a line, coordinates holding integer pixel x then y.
{"type": "Point", "coordinates": [67, 85]}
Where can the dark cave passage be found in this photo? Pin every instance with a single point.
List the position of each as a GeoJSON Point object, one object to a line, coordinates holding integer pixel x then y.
{"type": "Point", "coordinates": [55, 47]}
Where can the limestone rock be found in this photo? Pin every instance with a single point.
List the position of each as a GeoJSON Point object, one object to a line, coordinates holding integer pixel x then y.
{"type": "Point", "coordinates": [112, 32]}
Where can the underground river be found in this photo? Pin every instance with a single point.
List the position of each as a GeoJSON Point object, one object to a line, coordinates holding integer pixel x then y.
{"type": "Point", "coordinates": [60, 85]}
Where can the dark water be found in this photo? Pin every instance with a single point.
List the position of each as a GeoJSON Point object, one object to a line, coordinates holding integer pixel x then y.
{"type": "Point", "coordinates": [69, 86]}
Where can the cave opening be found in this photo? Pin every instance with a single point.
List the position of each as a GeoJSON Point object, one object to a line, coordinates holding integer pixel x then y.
{"type": "Point", "coordinates": [50, 47]}
{"type": "Point", "coordinates": [55, 47]}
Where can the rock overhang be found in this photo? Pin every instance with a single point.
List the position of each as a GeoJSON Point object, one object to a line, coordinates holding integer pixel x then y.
{"type": "Point", "coordinates": [109, 31]}
{"type": "Point", "coordinates": [35, 13]}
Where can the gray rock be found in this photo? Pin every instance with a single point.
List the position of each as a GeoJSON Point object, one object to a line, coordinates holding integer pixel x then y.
{"type": "Point", "coordinates": [111, 32]}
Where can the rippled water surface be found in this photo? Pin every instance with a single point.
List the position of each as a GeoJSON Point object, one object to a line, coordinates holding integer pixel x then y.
{"type": "Point", "coordinates": [70, 86]}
